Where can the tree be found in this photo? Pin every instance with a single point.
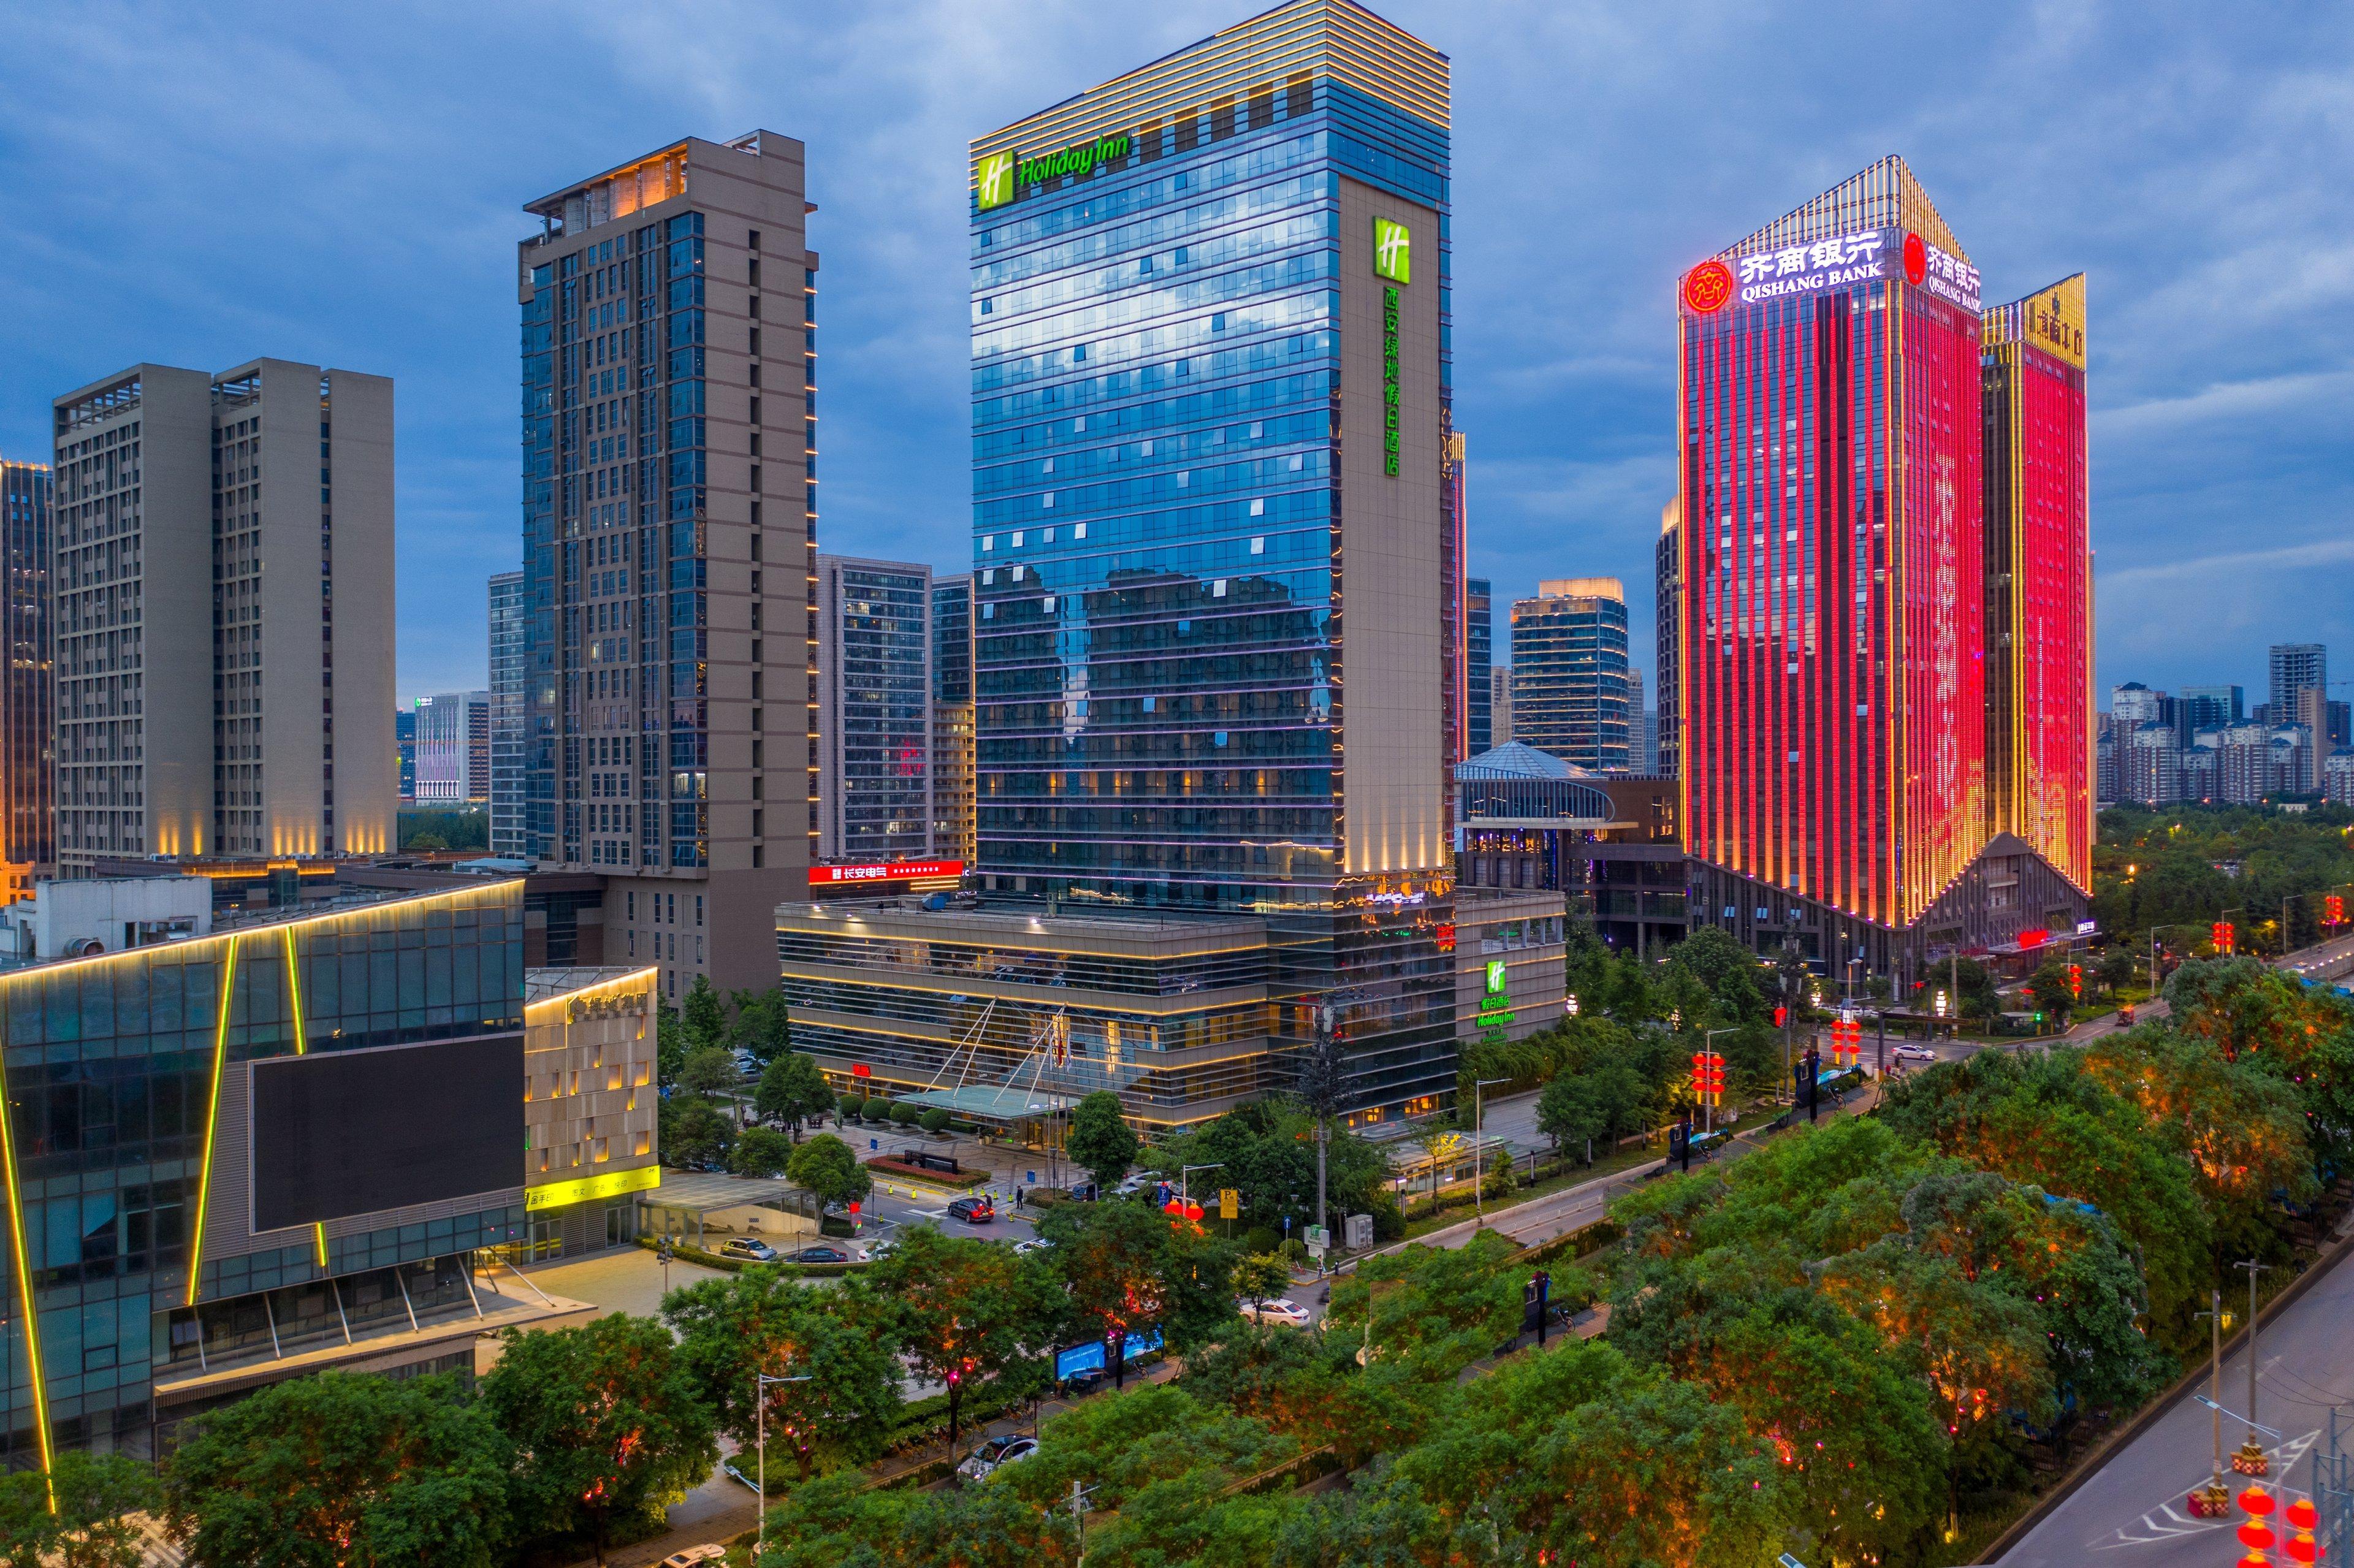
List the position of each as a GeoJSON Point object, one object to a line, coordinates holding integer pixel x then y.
{"type": "Point", "coordinates": [1260, 1279]}
{"type": "Point", "coordinates": [2053, 996]}
{"type": "Point", "coordinates": [97, 1496]}
{"type": "Point", "coordinates": [606, 1424]}
{"type": "Point", "coordinates": [792, 1090]}
{"type": "Point", "coordinates": [708, 1070]}
{"type": "Point", "coordinates": [1100, 1139]}
{"type": "Point", "coordinates": [826, 1166]}
{"type": "Point", "coordinates": [1569, 1112]}
{"type": "Point", "coordinates": [967, 1312]}
{"type": "Point", "coordinates": [703, 1017]}
{"type": "Point", "coordinates": [763, 1029]}
{"type": "Point", "coordinates": [670, 1044]}
{"type": "Point", "coordinates": [695, 1132]}
{"type": "Point", "coordinates": [341, 1467]}
{"type": "Point", "coordinates": [761, 1151]}
{"type": "Point", "coordinates": [2118, 968]}
{"type": "Point", "coordinates": [1129, 1266]}
{"type": "Point", "coordinates": [838, 1340]}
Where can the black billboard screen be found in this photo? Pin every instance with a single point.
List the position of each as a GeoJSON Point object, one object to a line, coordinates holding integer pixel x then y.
{"type": "Point", "coordinates": [338, 1133]}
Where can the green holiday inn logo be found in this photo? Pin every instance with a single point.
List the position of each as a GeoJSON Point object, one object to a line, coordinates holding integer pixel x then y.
{"type": "Point", "coordinates": [1000, 177]}
{"type": "Point", "coordinates": [992, 180]}
{"type": "Point", "coordinates": [1393, 251]}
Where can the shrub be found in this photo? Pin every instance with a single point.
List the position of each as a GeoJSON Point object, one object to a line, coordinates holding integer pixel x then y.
{"type": "Point", "coordinates": [904, 1113]}
{"type": "Point", "coordinates": [1261, 1240]}
{"type": "Point", "coordinates": [935, 1120]}
{"type": "Point", "coordinates": [853, 1105]}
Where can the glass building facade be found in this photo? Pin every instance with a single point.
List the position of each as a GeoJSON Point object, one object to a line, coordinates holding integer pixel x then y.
{"type": "Point", "coordinates": [1196, 382]}
{"type": "Point", "coordinates": [875, 644]}
{"type": "Point", "coordinates": [1570, 686]}
{"type": "Point", "coordinates": [1478, 661]}
{"type": "Point", "coordinates": [954, 828]}
{"type": "Point", "coordinates": [2038, 577]}
{"type": "Point", "coordinates": [509, 836]}
{"type": "Point", "coordinates": [133, 1272]}
{"type": "Point", "coordinates": [27, 721]}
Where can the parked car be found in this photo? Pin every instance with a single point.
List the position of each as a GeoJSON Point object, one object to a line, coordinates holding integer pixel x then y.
{"type": "Point", "coordinates": [750, 1248]}
{"type": "Point", "coordinates": [881, 1250]}
{"type": "Point", "coordinates": [1132, 1183]}
{"type": "Point", "coordinates": [1035, 1243]}
{"type": "Point", "coordinates": [1914, 1053]}
{"type": "Point", "coordinates": [695, 1555]}
{"type": "Point", "coordinates": [1291, 1314]}
{"type": "Point", "coordinates": [1006, 1448]}
{"type": "Point", "coordinates": [972, 1210]}
{"type": "Point", "coordinates": [820, 1254]}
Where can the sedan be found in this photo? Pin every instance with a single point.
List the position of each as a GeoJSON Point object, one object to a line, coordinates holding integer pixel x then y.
{"type": "Point", "coordinates": [749, 1248]}
{"type": "Point", "coordinates": [1913, 1053]}
{"type": "Point", "coordinates": [1004, 1449]}
{"type": "Point", "coordinates": [1035, 1243]}
{"type": "Point", "coordinates": [972, 1210]}
{"type": "Point", "coordinates": [695, 1555]}
{"type": "Point", "coordinates": [1289, 1313]}
{"type": "Point", "coordinates": [820, 1254]}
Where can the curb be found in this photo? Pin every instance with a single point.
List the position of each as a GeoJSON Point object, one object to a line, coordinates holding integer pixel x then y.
{"type": "Point", "coordinates": [2159, 1405]}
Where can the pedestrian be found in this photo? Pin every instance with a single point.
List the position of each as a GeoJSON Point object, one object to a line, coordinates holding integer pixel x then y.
{"type": "Point", "coordinates": [1017, 1197]}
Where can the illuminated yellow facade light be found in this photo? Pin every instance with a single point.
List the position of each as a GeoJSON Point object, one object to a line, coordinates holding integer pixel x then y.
{"type": "Point", "coordinates": [212, 1118]}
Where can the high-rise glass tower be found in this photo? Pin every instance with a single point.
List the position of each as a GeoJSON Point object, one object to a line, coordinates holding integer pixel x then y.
{"type": "Point", "coordinates": [874, 647]}
{"type": "Point", "coordinates": [1479, 660]}
{"type": "Point", "coordinates": [508, 837]}
{"type": "Point", "coordinates": [27, 706]}
{"type": "Point", "coordinates": [2039, 576]}
{"type": "Point", "coordinates": [670, 505]}
{"type": "Point", "coordinates": [1210, 307]}
{"type": "Point", "coordinates": [1569, 672]}
{"type": "Point", "coordinates": [1667, 637]}
{"type": "Point", "coordinates": [952, 740]}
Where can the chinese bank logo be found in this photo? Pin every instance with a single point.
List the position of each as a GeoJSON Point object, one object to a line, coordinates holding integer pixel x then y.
{"type": "Point", "coordinates": [992, 180]}
{"type": "Point", "coordinates": [1393, 251]}
{"type": "Point", "coordinates": [1707, 287]}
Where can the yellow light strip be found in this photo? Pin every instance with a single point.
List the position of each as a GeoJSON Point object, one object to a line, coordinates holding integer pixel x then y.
{"type": "Point", "coordinates": [212, 1116]}
{"type": "Point", "coordinates": [302, 1043]}
{"type": "Point", "coordinates": [25, 1294]}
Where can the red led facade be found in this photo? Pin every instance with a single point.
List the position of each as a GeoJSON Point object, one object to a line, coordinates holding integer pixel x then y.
{"type": "Point", "coordinates": [2040, 744]}
{"type": "Point", "coordinates": [1832, 635]}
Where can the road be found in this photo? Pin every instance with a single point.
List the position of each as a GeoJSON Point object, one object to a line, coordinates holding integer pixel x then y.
{"type": "Point", "coordinates": [2130, 1513]}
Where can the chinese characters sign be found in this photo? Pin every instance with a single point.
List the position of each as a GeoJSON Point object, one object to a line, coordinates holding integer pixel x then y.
{"type": "Point", "coordinates": [1390, 382]}
{"type": "Point", "coordinates": [1821, 265]}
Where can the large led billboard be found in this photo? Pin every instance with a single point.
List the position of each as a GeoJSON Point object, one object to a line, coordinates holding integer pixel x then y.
{"type": "Point", "coordinates": [338, 1133]}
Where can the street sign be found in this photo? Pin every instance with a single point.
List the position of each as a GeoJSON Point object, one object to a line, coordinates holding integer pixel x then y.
{"type": "Point", "coordinates": [1230, 1203]}
{"type": "Point", "coordinates": [1318, 1236]}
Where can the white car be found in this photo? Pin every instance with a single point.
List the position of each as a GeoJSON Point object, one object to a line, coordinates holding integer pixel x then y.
{"type": "Point", "coordinates": [695, 1555]}
{"type": "Point", "coordinates": [1134, 1182]}
{"type": "Point", "coordinates": [1290, 1314]}
{"type": "Point", "coordinates": [1914, 1053]}
{"type": "Point", "coordinates": [1006, 1449]}
{"type": "Point", "coordinates": [1035, 1243]}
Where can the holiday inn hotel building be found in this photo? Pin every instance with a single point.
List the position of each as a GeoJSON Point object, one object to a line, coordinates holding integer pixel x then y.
{"type": "Point", "coordinates": [1210, 382]}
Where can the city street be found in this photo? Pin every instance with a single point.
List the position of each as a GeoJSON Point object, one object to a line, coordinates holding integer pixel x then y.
{"type": "Point", "coordinates": [2133, 1507]}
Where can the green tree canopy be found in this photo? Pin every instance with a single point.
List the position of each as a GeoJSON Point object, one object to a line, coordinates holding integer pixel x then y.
{"type": "Point", "coordinates": [826, 1166]}
{"type": "Point", "coordinates": [967, 1312]}
{"type": "Point", "coordinates": [760, 1151]}
{"type": "Point", "coordinates": [1101, 1141]}
{"type": "Point", "coordinates": [792, 1090]}
{"type": "Point", "coordinates": [341, 1467]}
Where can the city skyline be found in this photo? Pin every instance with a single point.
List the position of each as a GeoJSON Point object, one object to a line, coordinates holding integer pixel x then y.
{"type": "Point", "coordinates": [2203, 420]}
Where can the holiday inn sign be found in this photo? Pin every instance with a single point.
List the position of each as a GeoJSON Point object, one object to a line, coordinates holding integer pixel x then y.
{"type": "Point", "coordinates": [1000, 177]}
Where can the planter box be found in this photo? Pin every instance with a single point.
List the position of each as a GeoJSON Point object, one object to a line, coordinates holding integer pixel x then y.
{"type": "Point", "coordinates": [885, 1165]}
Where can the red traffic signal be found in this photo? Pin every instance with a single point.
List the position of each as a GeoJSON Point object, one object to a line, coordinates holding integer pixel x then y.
{"type": "Point", "coordinates": [1781, 1016]}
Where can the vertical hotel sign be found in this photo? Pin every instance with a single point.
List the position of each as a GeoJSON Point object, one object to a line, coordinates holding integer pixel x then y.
{"type": "Point", "coordinates": [1393, 259]}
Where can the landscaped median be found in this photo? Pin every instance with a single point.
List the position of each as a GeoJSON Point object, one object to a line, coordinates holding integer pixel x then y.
{"type": "Point", "coordinates": [900, 1170]}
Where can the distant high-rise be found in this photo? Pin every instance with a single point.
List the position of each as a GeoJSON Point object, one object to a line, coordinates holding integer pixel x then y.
{"type": "Point", "coordinates": [216, 694]}
{"type": "Point", "coordinates": [2038, 623]}
{"type": "Point", "coordinates": [1500, 703]}
{"type": "Point", "coordinates": [2209, 707]}
{"type": "Point", "coordinates": [1478, 661]}
{"type": "Point", "coordinates": [28, 718]}
{"type": "Point", "coordinates": [404, 740]}
{"type": "Point", "coordinates": [874, 664]}
{"type": "Point", "coordinates": [1668, 632]}
{"type": "Point", "coordinates": [1569, 672]}
{"type": "Point", "coordinates": [669, 366]}
{"type": "Point", "coordinates": [453, 749]}
{"type": "Point", "coordinates": [952, 749]}
{"type": "Point", "coordinates": [510, 834]}
{"type": "Point", "coordinates": [2294, 667]}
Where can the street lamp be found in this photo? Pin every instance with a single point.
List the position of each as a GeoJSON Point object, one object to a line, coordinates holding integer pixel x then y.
{"type": "Point", "coordinates": [1185, 1185]}
{"type": "Point", "coordinates": [1477, 1214]}
{"type": "Point", "coordinates": [760, 1382]}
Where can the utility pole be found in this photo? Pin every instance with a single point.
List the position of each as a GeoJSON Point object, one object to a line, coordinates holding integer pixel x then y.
{"type": "Point", "coordinates": [2251, 1460]}
{"type": "Point", "coordinates": [2211, 1501]}
{"type": "Point", "coordinates": [760, 1382]}
{"type": "Point", "coordinates": [1478, 1215]}
{"type": "Point", "coordinates": [1324, 1046]}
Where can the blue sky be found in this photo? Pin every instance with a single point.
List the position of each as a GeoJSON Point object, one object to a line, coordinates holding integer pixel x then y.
{"type": "Point", "coordinates": [196, 186]}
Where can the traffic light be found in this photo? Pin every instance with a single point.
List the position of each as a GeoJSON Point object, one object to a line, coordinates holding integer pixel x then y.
{"type": "Point", "coordinates": [1781, 1016]}
{"type": "Point", "coordinates": [2076, 981]}
{"type": "Point", "coordinates": [2221, 934]}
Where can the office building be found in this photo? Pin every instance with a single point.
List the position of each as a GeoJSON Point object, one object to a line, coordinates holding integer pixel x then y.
{"type": "Point", "coordinates": [1642, 731]}
{"type": "Point", "coordinates": [874, 710]}
{"type": "Point", "coordinates": [27, 719]}
{"type": "Point", "coordinates": [509, 836]}
{"type": "Point", "coordinates": [954, 828]}
{"type": "Point", "coordinates": [1668, 634]}
{"type": "Point", "coordinates": [1162, 669]}
{"type": "Point", "coordinates": [1603, 846]}
{"type": "Point", "coordinates": [453, 749]}
{"type": "Point", "coordinates": [1833, 749]}
{"type": "Point", "coordinates": [1500, 702]}
{"type": "Point", "coordinates": [201, 526]}
{"type": "Point", "coordinates": [318, 1129]}
{"type": "Point", "coordinates": [2310, 716]}
{"type": "Point", "coordinates": [1569, 672]}
{"type": "Point", "coordinates": [669, 352]}
{"type": "Point", "coordinates": [2211, 707]}
{"type": "Point", "coordinates": [1479, 662]}
{"type": "Point", "coordinates": [2294, 667]}
{"type": "Point", "coordinates": [2037, 616]}
{"type": "Point", "coordinates": [404, 740]}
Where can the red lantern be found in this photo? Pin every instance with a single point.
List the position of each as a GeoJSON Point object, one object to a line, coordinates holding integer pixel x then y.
{"type": "Point", "coordinates": [1174, 1206]}
{"type": "Point", "coordinates": [2257, 1502]}
{"type": "Point", "coordinates": [2257, 1536]}
{"type": "Point", "coordinates": [2302, 1548]}
{"type": "Point", "coordinates": [2301, 1514]}
{"type": "Point", "coordinates": [1193, 1210]}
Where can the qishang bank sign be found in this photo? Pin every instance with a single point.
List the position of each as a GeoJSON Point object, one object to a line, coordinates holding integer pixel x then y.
{"type": "Point", "coordinates": [1001, 176]}
{"type": "Point", "coordinates": [1822, 266]}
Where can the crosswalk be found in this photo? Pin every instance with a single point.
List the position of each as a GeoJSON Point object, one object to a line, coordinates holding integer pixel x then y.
{"type": "Point", "coordinates": [2171, 1521]}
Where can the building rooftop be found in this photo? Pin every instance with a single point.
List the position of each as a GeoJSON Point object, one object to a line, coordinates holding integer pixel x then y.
{"type": "Point", "coordinates": [540, 985]}
{"type": "Point", "coordinates": [1515, 759]}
